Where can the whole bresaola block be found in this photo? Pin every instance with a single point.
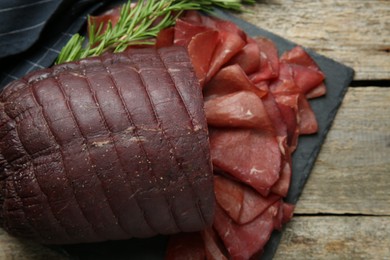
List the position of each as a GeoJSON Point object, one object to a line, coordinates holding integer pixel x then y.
{"type": "Point", "coordinates": [106, 148]}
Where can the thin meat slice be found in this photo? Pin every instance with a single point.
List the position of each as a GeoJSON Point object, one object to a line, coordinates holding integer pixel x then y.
{"type": "Point", "coordinates": [316, 92]}
{"type": "Point", "coordinates": [299, 56]}
{"type": "Point", "coordinates": [283, 184]}
{"type": "Point", "coordinates": [306, 78]}
{"type": "Point", "coordinates": [297, 79]}
{"type": "Point", "coordinates": [214, 23]}
{"type": "Point", "coordinates": [213, 245]}
{"type": "Point", "coordinates": [165, 37]}
{"type": "Point", "coordinates": [244, 241]}
{"type": "Point", "coordinates": [184, 31]}
{"type": "Point", "coordinates": [252, 156]}
{"type": "Point", "coordinates": [109, 17]}
{"type": "Point", "coordinates": [232, 39]}
{"type": "Point", "coordinates": [298, 106]}
{"type": "Point", "coordinates": [289, 111]}
{"type": "Point", "coordinates": [228, 80]}
{"type": "Point", "coordinates": [307, 119]}
{"type": "Point", "coordinates": [200, 56]}
{"type": "Point", "coordinates": [269, 61]}
{"type": "Point", "coordinates": [240, 109]}
{"type": "Point", "coordinates": [248, 58]}
{"type": "Point", "coordinates": [229, 45]}
{"type": "Point", "coordinates": [240, 202]}
{"type": "Point", "coordinates": [288, 212]}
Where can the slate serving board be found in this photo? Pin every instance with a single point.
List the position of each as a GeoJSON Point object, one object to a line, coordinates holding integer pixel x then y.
{"type": "Point", "coordinates": [338, 78]}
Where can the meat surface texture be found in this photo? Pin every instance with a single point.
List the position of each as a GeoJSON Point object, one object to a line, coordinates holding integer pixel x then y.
{"type": "Point", "coordinates": [106, 148]}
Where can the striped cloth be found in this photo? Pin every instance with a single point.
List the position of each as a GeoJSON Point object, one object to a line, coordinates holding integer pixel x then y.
{"type": "Point", "coordinates": [32, 32]}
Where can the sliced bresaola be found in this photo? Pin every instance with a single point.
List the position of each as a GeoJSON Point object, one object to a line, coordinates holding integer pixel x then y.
{"type": "Point", "coordinates": [318, 91]}
{"type": "Point", "coordinates": [200, 56]}
{"type": "Point", "coordinates": [229, 45]}
{"type": "Point", "coordinates": [282, 131]}
{"type": "Point", "coordinates": [229, 42]}
{"type": "Point", "coordinates": [228, 80]}
{"type": "Point", "coordinates": [250, 155]}
{"type": "Point", "coordinates": [248, 58]}
{"type": "Point", "coordinates": [214, 23]}
{"type": "Point", "coordinates": [295, 77]}
{"type": "Point", "coordinates": [298, 106]}
{"type": "Point", "coordinates": [213, 245]}
{"type": "Point", "coordinates": [283, 184]}
{"type": "Point", "coordinates": [240, 202]}
{"type": "Point", "coordinates": [299, 56]}
{"type": "Point", "coordinates": [239, 109]}
{"type": "Point", "coordinates": [184, 31]}
{"type": "Point", "coordinates": [306, 78]}
{"type": "Point", "coordinates": [243, 241]}
{"type": "Point", "coordinates": [165, 37]}
{"type": "Point", "coordinates": [269, 60]}
{"type": "Point", "coordinates": [288, 212]}
{"type": "Point", "coordinates": [307, 119]}
{"type": "Point", "coordinates": [289, 113]}
{"type": "Point", "coordinates": [111, 16]}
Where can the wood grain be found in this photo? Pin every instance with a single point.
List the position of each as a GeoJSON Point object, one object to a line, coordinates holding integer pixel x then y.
{"type": "Point", "coordinates": [335, 238]}
{"type": "Point", "coordinates": [15, 249]}
{"type": "Point", "coordinates": [352, 172]}
{"type": "Point", "coordinates": [356, 33]}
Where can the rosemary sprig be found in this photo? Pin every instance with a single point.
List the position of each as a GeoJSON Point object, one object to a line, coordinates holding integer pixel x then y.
{"type": "Point", "coordinates": [137, 24]}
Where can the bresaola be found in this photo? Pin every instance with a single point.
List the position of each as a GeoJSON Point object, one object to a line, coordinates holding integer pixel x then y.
{"type": "Point", "coordinates": [256, 107]}
{"type": "Point", "coordinates": [255, 104]}
{"type": "Point", "coordinates": [106, 148]}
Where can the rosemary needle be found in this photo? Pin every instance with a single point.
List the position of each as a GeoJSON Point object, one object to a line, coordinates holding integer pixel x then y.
{"type": "Point", "coordinates": [137, 24]}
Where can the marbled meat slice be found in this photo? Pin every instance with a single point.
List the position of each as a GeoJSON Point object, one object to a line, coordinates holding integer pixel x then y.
{"type": "Point", "coordinates": [242, 109]}
{"type": "Point", "coordinates": [250, 155]}
{"type": "Point", "coordinates": [228, 80]}
{"type": "Point", "coordinates": [244, 241]}
{"type": "Point", "coordinates": [241, 202]}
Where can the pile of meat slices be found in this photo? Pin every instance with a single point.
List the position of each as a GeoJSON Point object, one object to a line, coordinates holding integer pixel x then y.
{"type": "Point", "coordinates": [256, 105]}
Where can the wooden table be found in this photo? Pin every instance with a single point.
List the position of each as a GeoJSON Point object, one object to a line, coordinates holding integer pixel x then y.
{"type": "Point", "coordinates": [344, 211]}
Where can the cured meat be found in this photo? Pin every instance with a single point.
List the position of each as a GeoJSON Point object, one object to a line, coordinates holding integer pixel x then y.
{"type": "Point", "coordinates": [243, 241]}
{"type": "Point", "coordinates": [106, 148]}
{"type": "Point", "coordinates": [240, 109]}
{"type": "Point", "coordinates": [126, 137]}
{"type": "Point", "coordinates": [213, 246]}
{"type": "Point", "coordinates": [250, 155]}
{"type": "Point", "coordinates": [248, 58]}
{"type": "Point", "coordinates": [241, 202]}
{"type": "Point", "coordinates": [229, 80]}
{"type": "Point", "coordinates": [201, 57]}
{"type": "Point", "coordinates": [269, 61]}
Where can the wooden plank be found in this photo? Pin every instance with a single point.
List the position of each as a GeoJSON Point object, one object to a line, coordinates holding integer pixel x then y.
{"type": "Point", "coordinates": [352, 172]}
{"type": "Point", "coordinates": [16, 249]}
{"type": "Point", "coordinates": [335, 238]}
{"type": "Point", "coordinates": [356, 33]}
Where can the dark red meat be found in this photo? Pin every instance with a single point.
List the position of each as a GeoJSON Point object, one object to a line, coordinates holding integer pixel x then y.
{"type": "Point", "coordinates": [116, 147]}
{"type": "Point", "coordinates": [250, 155]}
{"type": "Point", "coordinates": [106, 148]}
